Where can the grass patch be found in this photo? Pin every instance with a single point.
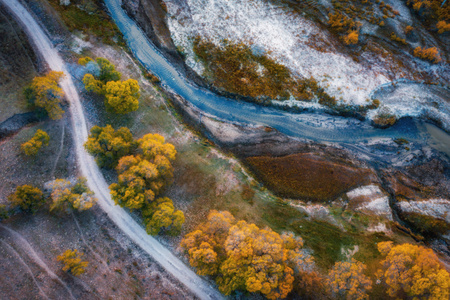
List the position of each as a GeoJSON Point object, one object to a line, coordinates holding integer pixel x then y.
{"type": "Point", "coordinates": [88, 17]}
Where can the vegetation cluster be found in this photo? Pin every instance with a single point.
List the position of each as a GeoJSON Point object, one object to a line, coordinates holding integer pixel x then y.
{"type": "Point", "coordinates": [32, 146]}
{"type": "Point", "coordinates": [44, 93]}
{"type": "Point", "coordinates": [241, 256]}
{"type": "Point", "coordinates": [144, 168]}
{"type": "Point", "coordinates": [101, 77]}
{"type": "Point", "coordinates": [235, 68]}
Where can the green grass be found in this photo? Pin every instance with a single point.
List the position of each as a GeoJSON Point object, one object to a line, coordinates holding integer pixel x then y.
{"type": "Point", "coordinates": [88, 17]}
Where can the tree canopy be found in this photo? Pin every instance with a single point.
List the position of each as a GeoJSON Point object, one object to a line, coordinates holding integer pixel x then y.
{"type": "Point", "coordinates": [45, 93]}
{"type": "Point", "coordinates": [413, 271]}
{"type": "Point", "coordinates": [109, 145]}
{"type": "Point", "coordinates": [27, 197]}
{"type": "Point", "coordinates": [144, 175]}
{"type": "Point", "coordinates": [68, 196]}
{"type": "Point", "coordinates": [32, 146]}
{"type": "Point", "coordinates": [347, 280]}
{"type": "Point", "coordinates": [101, 77]}
{"type": "Point", "coordinates": [160, 214]}
{"type": "Point", "coordinates": [122, 96]}
{"type": "Point", "coordinates": [72, 262]}
{"type": "Point", "coordinates": [242, 256]}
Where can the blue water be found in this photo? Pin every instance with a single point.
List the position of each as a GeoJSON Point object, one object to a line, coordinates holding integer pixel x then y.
{"type": "Point", "coordinates": [314, 126]}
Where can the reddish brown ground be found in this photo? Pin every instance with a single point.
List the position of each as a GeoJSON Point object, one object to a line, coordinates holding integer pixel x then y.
{"type": "Point", "coordinates": [306, 176]}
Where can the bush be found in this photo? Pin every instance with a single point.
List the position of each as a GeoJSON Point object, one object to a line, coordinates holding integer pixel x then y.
{"type": "Point", "coordinates": [430, 54]}
{"type": "Point", "coordinates": [32, 147]}
{"type": "Point", "coordinates": [351, 38]}
{"type": "Point", "coordinates": [27, 197]}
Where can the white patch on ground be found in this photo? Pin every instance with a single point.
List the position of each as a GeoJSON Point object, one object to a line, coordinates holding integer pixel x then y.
{"type": "Point", "coordinates": [349, 252]}
{"type": "Point", "coordinates": [437, 208]}
{"type": "Point", "coordinates": [275, 31]}
{"type": "Point", "coordinates": [78, 45]}
{"type": "Point", "coordinates": [316, 211]}
{"type": "Point", "coordinates": [370, 199]}
{"type": "Point", "coordinates": [380, 227]}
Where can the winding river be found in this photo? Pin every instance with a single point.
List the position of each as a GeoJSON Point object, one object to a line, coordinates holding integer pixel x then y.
{"type": "Point", "coordinates": [314, 126]}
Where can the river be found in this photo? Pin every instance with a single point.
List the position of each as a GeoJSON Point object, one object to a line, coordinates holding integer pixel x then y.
{"type": "Point", "coordinates": [313, 126]}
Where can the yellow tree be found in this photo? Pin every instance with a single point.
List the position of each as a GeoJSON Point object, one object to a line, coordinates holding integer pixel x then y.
{"type": "Point", "coordinates": [47, 94]}
{"type": "Point", "coordinates": [68, 196]}
{"type": "Point", "coordinates": [32, 147]}
{"type": "Point", "coordinates": [122, 96]}
{"type": "Point", "coordinates": [27, 197]}
{"type": "Point", "coordinates": [413, 271]}
{"type": "Point", "coordinates": [245, 257]}
{"type": "Point", "coordinates": [162, 214]}
{"type": "Point", "coordinates": [205, 245]}
{"type": "Point", "coordinates": [347, 280]}
{"type": "Point", "coordinates": [72, 262]}
{"type": "Point", "coordinates": [145, 175]}
{"type": "Point", "coordinates": [109, 145]}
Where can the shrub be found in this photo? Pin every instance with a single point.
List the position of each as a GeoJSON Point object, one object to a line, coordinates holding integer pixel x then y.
{"type": "Point", "coordinates": [27, 197]}
{"type": "Point", "coordinates": [72, 262]}
{"type": "Point", "coordinates": [32, 147]}
{"type": "Point", "coordinates": [351, 38]}
{"type": "Point", "coordinates": [442, 27]}
{"type": "Point", "coordinates": [430, 54]}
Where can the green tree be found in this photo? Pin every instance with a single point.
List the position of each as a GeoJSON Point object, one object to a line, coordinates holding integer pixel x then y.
{"type": "Point", "coordinates": [107, 71]}
{"type": "Point", "coordinates": [244, 257]}
{"type": "Point", "coordinates": [72, 262]}
{"type": "Point", "coordinates": [32, 147]}
{"type": "Point", "coordinates": [411, 271]}
{"type": "Point", "coordinates": [109, 145]}
{"type": "Point", "coordinates": [347, 280]}
{"type": "Point", "coordinates": [68, 196]}
{"type": "Point", "coordinates": [27, 197]}
{"type": "Point", "coordinates": [45, 93]}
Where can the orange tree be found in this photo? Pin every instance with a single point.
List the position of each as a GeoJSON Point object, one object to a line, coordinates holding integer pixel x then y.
{"type": "Point", "coordinates": [346, 280]}
{"type": "Point", "coordinates": [411, 271]}
{"type": "Point", "coordinates": [242, 256]}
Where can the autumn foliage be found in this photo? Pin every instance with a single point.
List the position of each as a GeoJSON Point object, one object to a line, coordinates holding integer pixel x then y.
{"type": "Point", "coordinates": [101, 77]}
{"type": "Point", "coordinates": [32, 147]}
{"type": "Point", "coordinates": [442, 26]}
{"type": "Point", "coordinates": [351, 38]}
{"type": "Point", "coordinates": [430, 54]}
{"type": "Point", "coordinates": [71, 195]}
{"type": "Point", "coordinates": [27, 197]}
{"type": "Point", "coordinates": [346, 280]}
{"type": "Point", "coordinates": [413, 271]}
{"type": "Point", "coordinates": [45, 93]}
{"type": "Point", "coordinates": [144, 175]}
{"type": "Point", "coordinates": [72, 262]}
{"type": "Point", "coordinates": [109, 145]}
{"type": "Point", "coordinates": [242, 256]}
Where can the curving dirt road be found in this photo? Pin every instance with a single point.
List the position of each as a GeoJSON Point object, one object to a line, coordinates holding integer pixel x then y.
{"type": "Point", "coordinates": [89, 168]}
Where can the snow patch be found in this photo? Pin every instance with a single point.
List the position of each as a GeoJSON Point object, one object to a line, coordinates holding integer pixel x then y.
{"type": "Point", "coordinates": [370, 199]}
{"type": "Point", "coordinates": [280, 33]}
{"type": "Point", "coordinates": [436, 208]}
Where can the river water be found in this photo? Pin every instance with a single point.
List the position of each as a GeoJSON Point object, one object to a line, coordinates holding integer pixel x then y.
{"type": "Point", "coordinates": [313, 126]}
